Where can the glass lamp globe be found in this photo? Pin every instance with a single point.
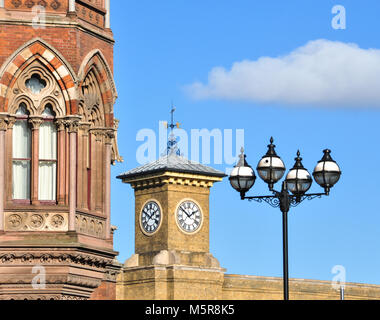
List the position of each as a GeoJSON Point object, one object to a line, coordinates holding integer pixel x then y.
{"type": "Point", "coordinates": [299, 180]}
{"type": "Point", "coordinates": [271, 168]}
{"type": "Point", "coordinates": [327, 172]}
{"type": "Point", "coordinates": [242, 177]}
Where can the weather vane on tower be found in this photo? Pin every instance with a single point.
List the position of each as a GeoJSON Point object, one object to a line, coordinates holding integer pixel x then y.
{"type": "Point", "coordinates": [172, 141]}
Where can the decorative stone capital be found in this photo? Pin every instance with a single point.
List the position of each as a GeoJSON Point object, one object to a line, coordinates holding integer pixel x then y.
{"type": "Point", "coordinates": [35, 122]}
{"type": "Point", "coordinates": [11, 121]}
{"type": "Point", "coordinates": [110, 136]}
{"type": "Point", "coordinates": [107, 133]}
{"type": "Point", "coordinates": [3, 122]}
{"type": "Point", "coordinates": [85, 127]}
{"type": "Point", "coordinates": [98, 133]}
{"type": "Point", "coordinates": [61, 124]}
{"type": "Point", "coordinates": [72, 123]}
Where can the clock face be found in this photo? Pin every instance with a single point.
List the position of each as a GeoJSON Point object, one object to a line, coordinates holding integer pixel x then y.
{"type": "Point", "coordinates": [189, 216]}
{"type": "Point", "coordinates": [150, 218]}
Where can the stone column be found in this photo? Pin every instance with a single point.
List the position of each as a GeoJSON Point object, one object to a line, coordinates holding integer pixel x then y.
{"type": "Point", "coordinates": [107, 23]}
{"type": "Point", "coordinates": [83, 165]}
{"type": "Point", "coordinates": [99, 188]}
{"type": "Point", "coordinates": [108, 145]}
{"type": "Point", "coordinates": [3, 128]}
{"type": "Point", "coordinates": [61, 161]}
{"type": "Point", "coordinates": [72, 124]}
{"type": "Point", "coordinates": [36, 123]}
{"type": "Point", "coordinates": [8, 159]}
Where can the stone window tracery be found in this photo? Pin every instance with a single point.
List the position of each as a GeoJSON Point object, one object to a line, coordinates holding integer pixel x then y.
{"type": "Point", "coordinates": [35, 84]}
{"type": "Point", "coordinates": [38, 106]}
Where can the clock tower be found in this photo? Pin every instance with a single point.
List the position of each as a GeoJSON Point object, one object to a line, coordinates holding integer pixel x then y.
{"type": "Point", "coordinates": [172, 254]}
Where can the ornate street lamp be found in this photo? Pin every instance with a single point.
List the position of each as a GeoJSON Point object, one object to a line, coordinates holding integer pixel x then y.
{"type": "Point", "coordinates": [327, 173]}
{"type": "Point", "coordinates": [271, 168]}
{"type": "Point", "coordinates": [298, 179]}
{"type": "Point", "coordinates": [294, 190]}
{"type": "Point", "coordinates": [242, 177]}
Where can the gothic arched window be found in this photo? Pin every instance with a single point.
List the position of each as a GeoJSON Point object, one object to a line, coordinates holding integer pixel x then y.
{"type": "Point", "coordinates": [47, 169]}
{"type": "Point", "coordinates": [22, 155]}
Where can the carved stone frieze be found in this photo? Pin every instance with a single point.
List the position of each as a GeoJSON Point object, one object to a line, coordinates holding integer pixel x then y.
{"type": "Point", "coordinates": [42, 297]}
{"type": "Point", "coordinates": [31, 221]}
{"type": "Point", "coordinates": [90, 225]}
{"type": "Point", "coordinates": [46, 259]}
{"type": "Point", "coordinates": [84, 281]}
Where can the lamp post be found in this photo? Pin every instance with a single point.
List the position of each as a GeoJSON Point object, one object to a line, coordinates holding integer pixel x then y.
{"type": "Point", "coordinates": [294, 190]}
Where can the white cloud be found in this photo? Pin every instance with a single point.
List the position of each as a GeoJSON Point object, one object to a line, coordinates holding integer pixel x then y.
{"type": "Point", "coordinates": [322, 72]}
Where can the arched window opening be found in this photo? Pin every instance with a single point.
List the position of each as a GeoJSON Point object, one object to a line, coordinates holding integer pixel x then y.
{"type": "Point", "coordinates": [35, 84]}
{"type": "Point", "coordinates": [47, 173]}
{"type": "Point", "coordinates": [22, 155]}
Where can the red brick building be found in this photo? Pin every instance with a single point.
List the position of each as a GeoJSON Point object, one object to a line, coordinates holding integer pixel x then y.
{"type": "Point", "coordinates": [57, 143]}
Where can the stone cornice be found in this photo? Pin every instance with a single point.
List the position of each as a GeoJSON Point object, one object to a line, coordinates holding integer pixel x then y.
{"type": "Point", "coordinates": [37, 257]}
{"type": "Point", "coordinates": [63, 23]}
{"type": "Point", "coordinates": [173, 178]}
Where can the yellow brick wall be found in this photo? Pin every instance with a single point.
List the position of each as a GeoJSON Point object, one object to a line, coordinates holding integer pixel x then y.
{"type": "Point", "coordinates": [239, 287]}
{"type": "Point", "coordinates": [169, 236]}
{"type": "Point", "coordinates": [186, 283]}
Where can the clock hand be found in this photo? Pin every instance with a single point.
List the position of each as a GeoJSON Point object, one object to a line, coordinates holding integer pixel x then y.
{"type": "Point", "coordinates": [150, 216]}
{"type": "Point", "coordinates": [185, 213]}
{"type": "Point", "coordinates": [193, 213]}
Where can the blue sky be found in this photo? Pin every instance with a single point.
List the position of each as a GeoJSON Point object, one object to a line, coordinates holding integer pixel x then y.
{"type": "Point", "coordinates": [163, 47]}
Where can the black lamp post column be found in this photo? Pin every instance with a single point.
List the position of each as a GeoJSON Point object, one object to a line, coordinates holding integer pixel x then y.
{"type": "Point", "coordinates": [285, 244]}
{"type": "Point", "coordinates": [285, 206]}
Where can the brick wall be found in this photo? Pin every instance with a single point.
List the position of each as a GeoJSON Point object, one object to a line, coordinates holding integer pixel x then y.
{"type": "Point", "coordinates": [72, 43]}
{"type": "Point", "coordinates": [106, 291]}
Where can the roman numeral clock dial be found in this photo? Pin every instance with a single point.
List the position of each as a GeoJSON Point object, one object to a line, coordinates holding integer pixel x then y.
{"type": "Point", "coordinates": [189, 217]}
{"type": "Point", "coordinates": [150, 218]}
